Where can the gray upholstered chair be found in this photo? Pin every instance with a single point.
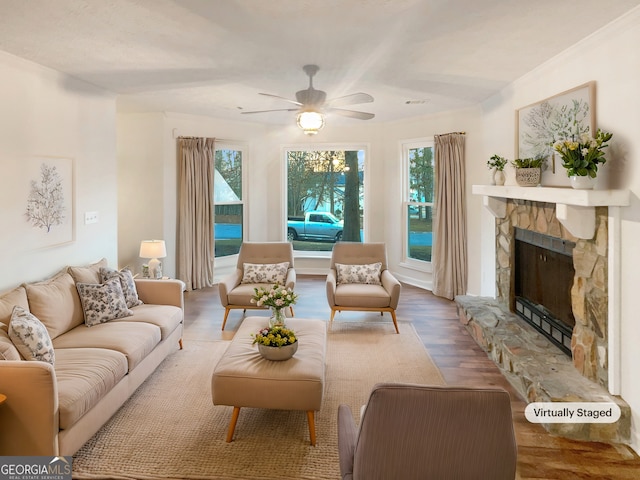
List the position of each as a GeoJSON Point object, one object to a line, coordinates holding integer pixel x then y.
{"type": "Point", "coordinates": [418, 432]}
{"type": "Point", "coordinates": [350, 292]}
{"type": "Point", "coordinates": [237, 289]}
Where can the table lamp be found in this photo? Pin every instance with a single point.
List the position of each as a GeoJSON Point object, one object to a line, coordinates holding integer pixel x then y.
{"type": "Point", "coordinates": [153, 249]}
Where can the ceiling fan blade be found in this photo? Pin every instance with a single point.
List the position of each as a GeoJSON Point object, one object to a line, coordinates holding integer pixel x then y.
{"type": "Point", "coordinates": [353, 99]}
{"type": "Point", "coordinates": [276, 110]}
{"type": "Point", "coordinates": [352, 114]}
{"type": "Point", "coordinates": [281, 98]}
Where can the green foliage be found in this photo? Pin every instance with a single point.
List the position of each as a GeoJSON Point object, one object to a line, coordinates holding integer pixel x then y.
{"type": "Point", "coordinates": [497, 162]}
{"type": "Point", "coordinates": [527, 162]}
{"type": "Point", "coordinates": [581, 157]}
{"type": "Point", "coordinates": [421, 174]}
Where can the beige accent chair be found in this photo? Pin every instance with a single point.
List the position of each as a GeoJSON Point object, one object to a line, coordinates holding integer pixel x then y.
{"type": "Point", "coordinates": [359, 296]}
{"type": "Point", "coordinates": [419, 432]}
{"type": "Point", "coordinates": [235, 294]}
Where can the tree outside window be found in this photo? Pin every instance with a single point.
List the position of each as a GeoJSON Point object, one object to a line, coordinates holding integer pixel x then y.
{"type": "Point", "coordinates": [328, 181]}
{"type": "Point", "coordinates": [419, 183]}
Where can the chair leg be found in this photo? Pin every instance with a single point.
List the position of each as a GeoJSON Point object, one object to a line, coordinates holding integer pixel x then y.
{"type": "Point", "coordinates": [232, 424]}
{"type": "Point", "coordinates": [180, 343]}
{"type": "Point", "coordinates": [311, 419]}
{"type": "Point", "coordinates": [395, 321]}
{"type": "Point", "coordinates": [291, 310]}
{"type": "Point", "coordinates": [333, 314]}
{"type": "Point", "coordinates": [226, 314]}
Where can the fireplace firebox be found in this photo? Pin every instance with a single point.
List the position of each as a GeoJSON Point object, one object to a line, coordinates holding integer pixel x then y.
{"type": "Point", "coordinates": [543, 278]}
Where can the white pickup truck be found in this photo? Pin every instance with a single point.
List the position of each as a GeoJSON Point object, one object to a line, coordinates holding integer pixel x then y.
{"type": "Point", "coordinates": [315, 226]}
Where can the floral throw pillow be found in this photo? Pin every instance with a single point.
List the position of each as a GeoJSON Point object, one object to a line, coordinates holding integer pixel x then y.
{"type": "Point", "coordinates": [30, 336]}
{"type": "Point", "coordinates": [367, 274]}
{"type": "Point", "coordinates": [126, 282]}
{"type": "Point", "coordinates": [102, 302]}
{"type": "Point", "coordinates": [265, 273]}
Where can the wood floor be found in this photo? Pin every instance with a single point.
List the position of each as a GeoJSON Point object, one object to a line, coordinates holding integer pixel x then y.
{"type": "Point", "coordinates": [461, 361]}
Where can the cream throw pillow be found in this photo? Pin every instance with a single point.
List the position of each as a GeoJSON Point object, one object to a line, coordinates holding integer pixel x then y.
{"type": "Point", "coordinates": [273, 273]}
{"type": "Point", "coordinates": [30, 336]}
{"type": "Point", "coordinates": [367, 274]}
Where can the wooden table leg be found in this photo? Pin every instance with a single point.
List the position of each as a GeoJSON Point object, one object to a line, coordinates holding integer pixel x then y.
{"type": "Point", "coordinates": [311, 418]}
{"type": "Point", "coordinates": [232, 424]}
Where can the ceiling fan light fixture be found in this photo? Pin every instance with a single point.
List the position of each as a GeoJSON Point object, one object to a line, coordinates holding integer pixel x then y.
{"type": "Point", "coordinates": [310, 122]}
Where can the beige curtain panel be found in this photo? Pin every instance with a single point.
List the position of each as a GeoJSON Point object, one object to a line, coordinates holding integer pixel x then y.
{"type": "Point", "coordinates": [450, 227]}
{"type": "Point", "coordinates": [195, 212]}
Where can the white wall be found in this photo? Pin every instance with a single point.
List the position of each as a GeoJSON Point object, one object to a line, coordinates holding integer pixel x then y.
{"type": "Point", "coordinates": [47, 114]}
{"type": "Point", "coordinates": [610, 58]}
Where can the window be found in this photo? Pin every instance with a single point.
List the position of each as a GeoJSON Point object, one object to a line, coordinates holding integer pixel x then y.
{"type": "Point", "coordinates": [325, 197]}
{"type": "Point", "coordinates": [418, 208]}
{"type": "Point", "coordinates": [228, 202]}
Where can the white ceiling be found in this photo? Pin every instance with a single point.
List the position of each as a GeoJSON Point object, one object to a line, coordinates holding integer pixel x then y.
{"type": "Point", "coordinates": [213, 57]}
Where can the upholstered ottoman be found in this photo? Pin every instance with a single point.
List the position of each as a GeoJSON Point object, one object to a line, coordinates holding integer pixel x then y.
{"type": "Point", "coordinates": [242, 378]}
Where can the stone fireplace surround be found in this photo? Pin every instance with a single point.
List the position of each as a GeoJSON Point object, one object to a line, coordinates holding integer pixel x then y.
{"type": "Point", "coordinates": [537, 369]}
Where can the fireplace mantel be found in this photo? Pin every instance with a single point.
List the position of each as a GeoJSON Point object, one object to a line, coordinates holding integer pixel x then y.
{"type": "Point", "coordinates": [575, 209]}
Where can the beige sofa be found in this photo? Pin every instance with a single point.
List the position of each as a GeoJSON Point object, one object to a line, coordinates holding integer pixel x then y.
{"type": "Point", "coordinates": [53, 409]}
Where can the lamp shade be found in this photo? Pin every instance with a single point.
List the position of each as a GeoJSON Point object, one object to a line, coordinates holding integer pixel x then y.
{"type": "Point", "coordinates": [310, 122]}
{"type": "Point", "coordinates": [153, 249]}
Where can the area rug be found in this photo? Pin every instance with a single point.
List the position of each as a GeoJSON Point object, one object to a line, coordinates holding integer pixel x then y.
{"type": "Point", "coordinates": [169, 428]}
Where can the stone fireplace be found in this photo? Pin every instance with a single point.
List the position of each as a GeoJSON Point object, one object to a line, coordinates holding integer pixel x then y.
{"type": "Point", "coordinates": [569, 232]}
{"type": "Point", "coordinates": [588, 293]}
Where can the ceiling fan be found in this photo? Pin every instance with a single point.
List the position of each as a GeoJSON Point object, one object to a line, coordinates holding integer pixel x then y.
{"type": "Point", "coordinates": [312, 104]}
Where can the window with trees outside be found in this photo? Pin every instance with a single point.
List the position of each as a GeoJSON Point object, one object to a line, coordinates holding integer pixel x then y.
{"type": "Point", "coordinates": [325, 198]}
{"type": "Point", "coordinates": [418, 208]}
{"type": "Point", "coordinates": [228, 203]}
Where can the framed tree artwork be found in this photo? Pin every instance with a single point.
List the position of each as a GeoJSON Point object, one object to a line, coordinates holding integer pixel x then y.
{"type": "Point", "coordinates": [49, 201]}
{"type": "Point", "coordinates": [564, 116]}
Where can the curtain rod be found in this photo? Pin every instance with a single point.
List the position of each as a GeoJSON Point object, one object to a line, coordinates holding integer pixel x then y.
{"type": "Point", "coordinates": [452, 133]}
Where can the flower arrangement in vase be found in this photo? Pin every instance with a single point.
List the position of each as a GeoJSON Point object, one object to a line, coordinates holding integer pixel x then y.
{"type": "Point", "coordinates": [497, 164]}
{"type": "Point", "coordinates": [276, 343]}
{"type": "Point", "coordinates": [581, 157]}
{"type": "Point", "coordinates": [277, 298]}
{"type": "Point", "coordinates": [528, 171]}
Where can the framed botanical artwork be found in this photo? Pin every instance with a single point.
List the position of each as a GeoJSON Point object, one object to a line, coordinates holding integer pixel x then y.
{"type": "Point", "coordinates": [49, 201]}
{"type": "Point", "coordinates": [563, 116]}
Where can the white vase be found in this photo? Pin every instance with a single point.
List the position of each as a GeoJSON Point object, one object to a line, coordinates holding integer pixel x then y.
{"type": "Point", "coordinates": [582, 182]}
{"type": "Point", "coordinates": [498, 177]}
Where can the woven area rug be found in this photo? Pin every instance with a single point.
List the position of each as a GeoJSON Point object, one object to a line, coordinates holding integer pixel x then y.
{"type": "Point", "coordinates": [169, 429]}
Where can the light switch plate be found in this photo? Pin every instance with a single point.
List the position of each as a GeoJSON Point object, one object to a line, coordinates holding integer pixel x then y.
{"type": "Point", "coordinates": [90, 217]}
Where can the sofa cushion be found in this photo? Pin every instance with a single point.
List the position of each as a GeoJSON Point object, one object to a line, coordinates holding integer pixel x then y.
{"type": "Point", "coordinates": [134, 339]}
{"type": "Point", "coordinates": [361, 295]}
{"type": "Point", "coordinates": [56, 303]}
{"type": "Point", "coordinates": [102, 302]}
{"type": "Point", "coordinates": [84, 376]}
{"type": "Point", "coordinates": [125, 278]}
{"type": "Point", "coordinates": [167, 317]}
{"type": "Point", "coordinates": [30, 336]}
{"type": "Point", "coordinates": [8, 300]}
{"type": "Point", "coordinates": [368, 273]}
{"type": "Point", "coordinates": [89, 273]}
{"type": "Point", "coordinates": [270, 273]}
{"type": "Point", "coordinates": [8, 350]}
